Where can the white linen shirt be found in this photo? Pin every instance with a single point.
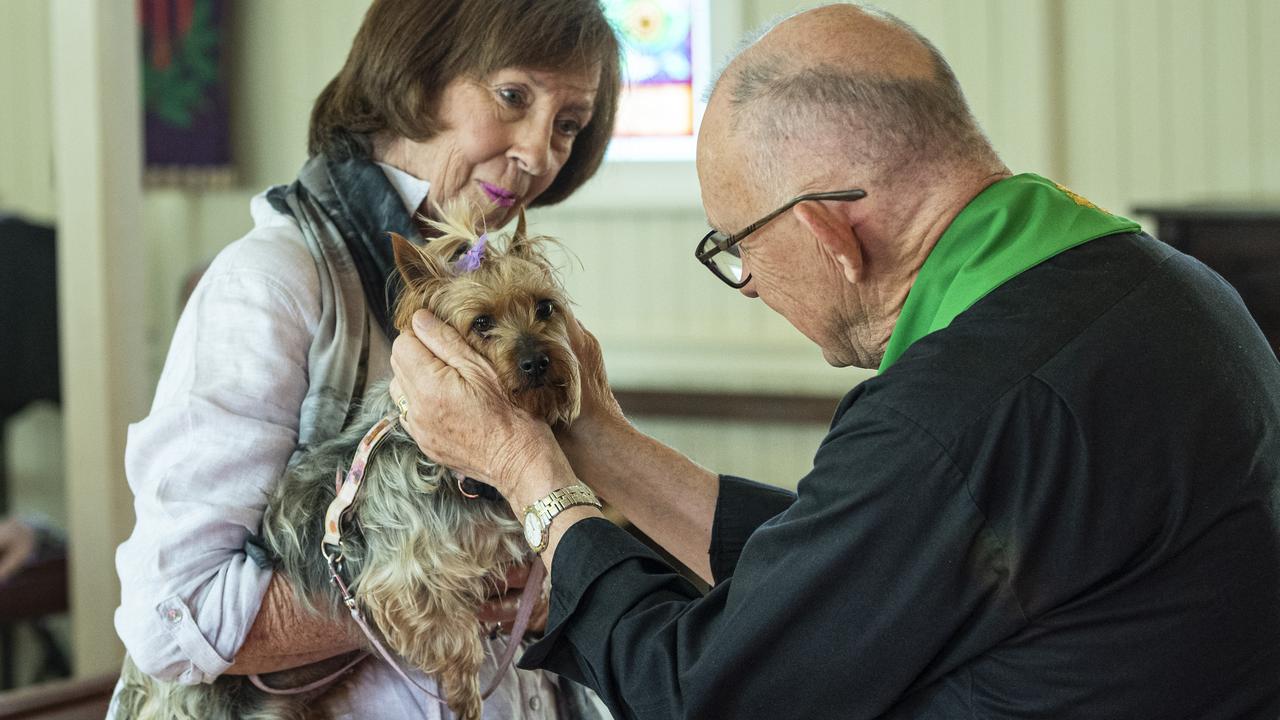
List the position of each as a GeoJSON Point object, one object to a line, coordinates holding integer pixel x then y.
{"type": "Point", "coordinates": [202, 465]}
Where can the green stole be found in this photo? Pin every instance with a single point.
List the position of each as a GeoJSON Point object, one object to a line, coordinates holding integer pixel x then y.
{"type": "Point", "coordinates": [1012, 226]}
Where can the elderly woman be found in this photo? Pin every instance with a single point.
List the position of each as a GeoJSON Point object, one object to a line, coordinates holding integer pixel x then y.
{"type": "Point", "coordinates": [501, 102]}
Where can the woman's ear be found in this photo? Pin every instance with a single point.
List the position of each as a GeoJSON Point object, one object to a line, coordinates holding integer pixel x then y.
{"type": "Point", "coordinates": [835, 235]}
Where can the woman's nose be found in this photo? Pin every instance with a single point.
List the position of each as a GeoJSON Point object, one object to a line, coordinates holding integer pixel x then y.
{"type": "Point", "coordinates": [531, 147]}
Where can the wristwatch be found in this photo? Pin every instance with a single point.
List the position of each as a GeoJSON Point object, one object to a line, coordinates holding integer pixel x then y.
{"type": "Point", "coordinates": [538, 516]}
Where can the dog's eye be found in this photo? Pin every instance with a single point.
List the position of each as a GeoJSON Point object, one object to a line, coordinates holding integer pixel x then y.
{"type": "Point", "coordinates": [482, 325]}
{"type": "Point", "coordinates": [545, 309]}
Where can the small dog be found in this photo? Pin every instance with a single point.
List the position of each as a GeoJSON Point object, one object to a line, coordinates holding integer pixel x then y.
{"type": "Point", "coordinates": [419, 557]}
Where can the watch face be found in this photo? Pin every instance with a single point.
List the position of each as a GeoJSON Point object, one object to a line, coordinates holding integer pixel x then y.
{"type": "Point", "coordinates": [532, 530]}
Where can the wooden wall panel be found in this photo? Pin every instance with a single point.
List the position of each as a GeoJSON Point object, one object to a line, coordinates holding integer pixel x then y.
{"type": "Point", "coordinates": [1170, 100]}
{"type": "Point", "coordinates": [26, 157]}
{"type": "Point", "coordinates": [1265, 88]}
{"type": "Point", "coordinates": [1092, 36]}
{"type": "Point", "coordinates": [1228, 104]}
{"type": "Point", "coordinates": [778, 454]}
{"type": "Point", "coordinates": [1144, 57]}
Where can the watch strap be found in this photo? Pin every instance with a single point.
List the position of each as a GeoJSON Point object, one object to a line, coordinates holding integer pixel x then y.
{"type": "Point", "coordinates": [561, 499]}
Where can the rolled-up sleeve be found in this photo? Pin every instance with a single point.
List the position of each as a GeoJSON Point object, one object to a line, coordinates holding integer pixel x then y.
{"type": "Point", "coordinates": [203, 463]}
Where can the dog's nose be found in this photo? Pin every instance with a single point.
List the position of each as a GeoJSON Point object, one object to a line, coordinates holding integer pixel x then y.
{"type": "Point", "coordinates": [534, 364]}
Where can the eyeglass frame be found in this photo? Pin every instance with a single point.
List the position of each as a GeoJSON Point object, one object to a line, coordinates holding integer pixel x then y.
{"type": "Point", "coordinates": [723, 243]}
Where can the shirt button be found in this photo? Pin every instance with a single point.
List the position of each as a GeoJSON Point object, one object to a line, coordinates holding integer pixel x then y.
{"type": "Point", "coordinates": [173, 615]}
{"type": "Point", "coordinates": [535, 702]}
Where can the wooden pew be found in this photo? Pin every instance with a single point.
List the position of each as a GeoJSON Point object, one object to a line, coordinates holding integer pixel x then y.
{"type": "Point", "coordinates": [85, 699]}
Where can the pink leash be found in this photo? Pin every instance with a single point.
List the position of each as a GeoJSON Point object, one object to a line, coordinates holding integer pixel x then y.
{"type": "Point", "coordinates": [343, 499]}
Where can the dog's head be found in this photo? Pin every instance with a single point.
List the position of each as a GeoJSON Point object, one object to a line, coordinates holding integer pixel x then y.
{"type": "Point", "coordinates": [503, 296]}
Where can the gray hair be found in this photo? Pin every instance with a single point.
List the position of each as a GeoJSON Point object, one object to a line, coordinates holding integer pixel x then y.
{"type": "Point", "coordinates": [888, 123]}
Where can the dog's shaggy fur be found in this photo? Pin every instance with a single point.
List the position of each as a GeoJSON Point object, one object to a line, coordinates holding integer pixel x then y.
{"type": "Point", "coordinates": [419, 557]}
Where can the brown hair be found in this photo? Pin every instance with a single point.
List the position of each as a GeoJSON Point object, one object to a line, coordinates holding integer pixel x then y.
{"type": "Point", "coordinates": [407, 51]}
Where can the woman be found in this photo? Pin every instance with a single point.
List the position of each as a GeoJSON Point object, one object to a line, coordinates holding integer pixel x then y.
{"type": "Point", "coordinates": [502, 102]}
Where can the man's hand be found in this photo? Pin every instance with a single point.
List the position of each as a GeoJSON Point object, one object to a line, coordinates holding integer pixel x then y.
{"type": "Point", "coordinates": [17, 546]}
{"type": "Point", "coordinates": [598, 402]}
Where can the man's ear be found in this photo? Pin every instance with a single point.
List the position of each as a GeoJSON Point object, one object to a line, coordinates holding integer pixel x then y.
{"type": "Point", "coordinates": [835, 235]}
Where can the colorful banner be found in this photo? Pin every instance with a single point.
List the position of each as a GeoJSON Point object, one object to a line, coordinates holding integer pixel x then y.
{"type": "Point", "coordinates": [184, 80]}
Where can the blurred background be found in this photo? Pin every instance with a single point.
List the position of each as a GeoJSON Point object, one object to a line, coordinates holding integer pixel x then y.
{"type": "Point", "coordinates": [1168, 107]}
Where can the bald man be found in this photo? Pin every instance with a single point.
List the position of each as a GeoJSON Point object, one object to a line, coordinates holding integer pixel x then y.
{"type": "Point", "coordinates": [1056, 499]}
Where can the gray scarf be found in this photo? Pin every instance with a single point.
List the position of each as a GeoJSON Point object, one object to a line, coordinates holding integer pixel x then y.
{"type": "Point", "coordinates": [345, 210]}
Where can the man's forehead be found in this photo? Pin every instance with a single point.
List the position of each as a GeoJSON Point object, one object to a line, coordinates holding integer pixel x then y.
{"type": "Point", "coordinates": [722, 188]}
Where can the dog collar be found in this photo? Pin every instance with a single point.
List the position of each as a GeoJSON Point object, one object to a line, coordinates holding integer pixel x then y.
{"type": "Point", "coordinates": [348, 487]}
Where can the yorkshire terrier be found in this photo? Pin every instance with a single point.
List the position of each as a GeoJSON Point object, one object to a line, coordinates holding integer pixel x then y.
{"type": "Point", "coordinates": [422, 551]}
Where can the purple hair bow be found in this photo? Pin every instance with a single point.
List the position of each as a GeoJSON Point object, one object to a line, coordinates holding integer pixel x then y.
{"type": "Point", "coordinates": [470, 261]}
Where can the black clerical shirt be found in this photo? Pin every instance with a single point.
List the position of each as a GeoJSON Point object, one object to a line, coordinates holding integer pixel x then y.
{"type": "Point", "coordinates": [1063, 505]}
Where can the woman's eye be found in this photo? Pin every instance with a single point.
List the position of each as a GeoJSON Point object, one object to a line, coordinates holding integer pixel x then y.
{"type": "Point", "coordinates": [513, 97]}
{"type": "Point", "coordinates": [569, 126]}
{"type": "Point", "coordinates": [482, 325]}
{"type": "Point", "coordinates": [545, 309]}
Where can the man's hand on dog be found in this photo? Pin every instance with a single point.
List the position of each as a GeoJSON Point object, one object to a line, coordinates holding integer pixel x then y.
{"type": "Point", "coordinates": [598, 402]}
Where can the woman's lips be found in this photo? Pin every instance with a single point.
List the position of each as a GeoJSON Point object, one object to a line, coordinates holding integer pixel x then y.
{"type": "Point", "coordinates": [500, 196]}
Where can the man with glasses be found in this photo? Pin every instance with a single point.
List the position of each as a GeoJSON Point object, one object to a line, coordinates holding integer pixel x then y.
{"type": "Point", "coordinates": [1057, 499]}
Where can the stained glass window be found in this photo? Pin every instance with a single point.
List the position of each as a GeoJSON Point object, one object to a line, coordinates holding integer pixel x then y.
{"type": "Point", "coordinates": [665, 72]}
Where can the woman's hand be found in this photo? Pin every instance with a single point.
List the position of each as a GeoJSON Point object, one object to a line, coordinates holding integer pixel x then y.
{"type": "Point", "coordinates": [505, 602]}
{"type": "Point", "coordinates": [461, 416]}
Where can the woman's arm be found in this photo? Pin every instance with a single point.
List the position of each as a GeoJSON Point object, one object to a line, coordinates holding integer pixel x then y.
{"type": "Point", "coordinates": [202, 464]}
{"type": "Point", "coordinates": [285, 635]}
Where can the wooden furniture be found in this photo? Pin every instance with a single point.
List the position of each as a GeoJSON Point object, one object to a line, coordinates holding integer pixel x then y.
{"type": "Point", "coordinates": [37, 591]}
{"type": "Point", "coordinates": [85, 699]}
{"type": "Point", "coordinates": [1240, 242]}
{"type": "Point", "coordinates": [757, 407]}
{"type": "Point", "coordinates": [30, 371]}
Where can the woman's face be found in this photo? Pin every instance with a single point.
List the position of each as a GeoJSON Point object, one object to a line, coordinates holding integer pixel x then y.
{"type": "Point", "coordinates": [506, 137]}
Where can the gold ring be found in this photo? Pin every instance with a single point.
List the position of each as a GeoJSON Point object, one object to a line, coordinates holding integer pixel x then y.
{"type": "Point", "coordinates": [403, 404]}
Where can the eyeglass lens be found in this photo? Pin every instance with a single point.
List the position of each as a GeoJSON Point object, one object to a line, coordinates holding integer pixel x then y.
{"type": "Point", "coordinates": [727, 263]}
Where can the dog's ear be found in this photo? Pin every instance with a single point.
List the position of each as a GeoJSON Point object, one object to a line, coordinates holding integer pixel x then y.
{"type": "Point", "coordinates": [416, 267]}
{"type": "Point", "coordinates": [522, 227]}
{"type": "Point", "coordinates": [522, 245]}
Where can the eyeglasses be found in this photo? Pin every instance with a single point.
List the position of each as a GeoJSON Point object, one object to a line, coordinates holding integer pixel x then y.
{"type": "Point", "coordinates": [719, 252]}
